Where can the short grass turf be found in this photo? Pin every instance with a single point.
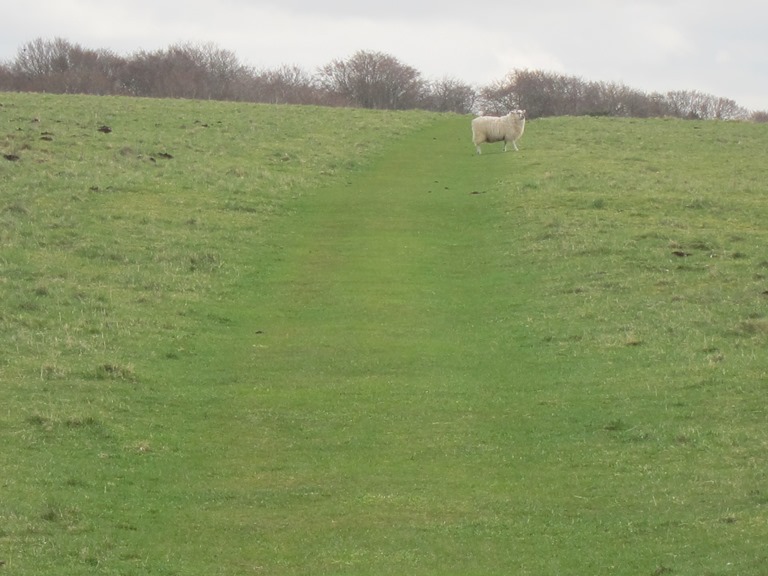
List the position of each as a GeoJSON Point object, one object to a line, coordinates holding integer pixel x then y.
{"type": "Point", "coordinates": [266, 340]}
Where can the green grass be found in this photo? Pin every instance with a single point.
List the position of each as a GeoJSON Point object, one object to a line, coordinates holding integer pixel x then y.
{"type": "Point", "coordinates": [322, 341]}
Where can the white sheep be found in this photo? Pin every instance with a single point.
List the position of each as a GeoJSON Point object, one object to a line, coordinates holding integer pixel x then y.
{"type": "Point", "coordinates": [489, 129]}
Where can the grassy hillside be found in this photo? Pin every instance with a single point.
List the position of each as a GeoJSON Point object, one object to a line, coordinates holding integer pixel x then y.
{"type": "Point", "coordinates": [241, 339]}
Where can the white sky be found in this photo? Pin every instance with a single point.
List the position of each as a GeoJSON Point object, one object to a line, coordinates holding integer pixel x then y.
{"type": "Point", "coordinates": [653, 45]}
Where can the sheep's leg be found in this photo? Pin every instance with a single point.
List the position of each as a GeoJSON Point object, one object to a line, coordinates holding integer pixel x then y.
{"type": "Point", "coordinates": [477, 146]}
{"type": "Point", "coordinates": [515, 145]}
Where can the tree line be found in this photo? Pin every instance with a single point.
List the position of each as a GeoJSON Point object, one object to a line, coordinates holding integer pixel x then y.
{"type": "Point", "coordinates": [367, 79]}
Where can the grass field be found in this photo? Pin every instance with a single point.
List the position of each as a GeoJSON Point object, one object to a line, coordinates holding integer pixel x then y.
{"type": "Point", "coordinates": [241, 339]}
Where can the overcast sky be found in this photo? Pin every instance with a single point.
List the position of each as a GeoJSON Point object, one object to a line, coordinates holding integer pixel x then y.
{"type": "Point", "coordinates": [720, 48]}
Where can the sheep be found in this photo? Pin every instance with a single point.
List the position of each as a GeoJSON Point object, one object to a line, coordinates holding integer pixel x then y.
{"type": "Point", "coordinates": [489, 129]}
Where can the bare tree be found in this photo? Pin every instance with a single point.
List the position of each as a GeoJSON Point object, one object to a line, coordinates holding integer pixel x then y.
{"type": "Point", "coordinates": [543, 93]}
{"type": "Point", "coordinates": [373, 80]}
{"type": "Point", "coordinates": [61, 66]}
{"type": "Point", "coordinates": [42, 58]}
{"type": "Point", "coordinates": [219, 69]}
{"type": "Point", "coordinates": [187, 70]}
{"type": "Point", "coordinates": [366, 79]}
{"type": "Point", "coordinates": [538, 92]}
{"type": "Point", "coordinates": [450, 95]}
{"type": "Point", "coordinates": [285, 85]}
{"type": "Point", "coordinates": [6, 77]}
{"type": "Point", "coordinates": [727, 109]}
{"type": "Point", "coordinates": [693, 104]}
{"type": "Point", "coordinates": [499, 97]}
{"type": "Point", "coordinates": [686, 104]}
